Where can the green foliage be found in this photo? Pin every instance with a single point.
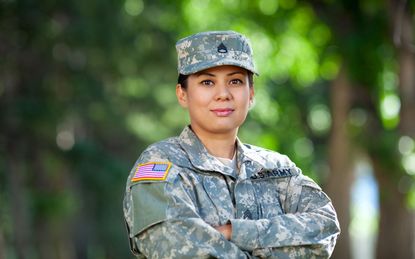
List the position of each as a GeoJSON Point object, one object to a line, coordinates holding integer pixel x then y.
{"type": "Point", "coordinates": [85, 86]}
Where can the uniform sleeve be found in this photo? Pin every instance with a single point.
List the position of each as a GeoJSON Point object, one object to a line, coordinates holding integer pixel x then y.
{"type": "Point", "coordinates": [308, 228]}
{"type": "Point", "coordinates": [164, 223]}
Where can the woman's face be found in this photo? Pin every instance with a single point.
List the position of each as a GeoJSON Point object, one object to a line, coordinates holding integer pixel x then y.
{"type": "Point", "coordinates": [218, 99]}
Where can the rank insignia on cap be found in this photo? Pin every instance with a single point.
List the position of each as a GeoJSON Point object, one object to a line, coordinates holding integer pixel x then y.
{"type": "Point", "coordinates": [222, 48]}
{"type": "Point", "coordinates": [153, 171]}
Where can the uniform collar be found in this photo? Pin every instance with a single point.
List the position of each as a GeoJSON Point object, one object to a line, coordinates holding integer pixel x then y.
{"type": "Point", "coordinates": [248, 160]}
{"type": "Point", "coordinates": [201, 159]}
{"type": "Point", "coordinates": [198, 154]}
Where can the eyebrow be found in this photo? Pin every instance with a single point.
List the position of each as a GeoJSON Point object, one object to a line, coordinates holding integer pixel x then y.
{"type": "Point", "coordinates": [212, 75]}
{"type": "Point", "coordinates": [236, 72]}
{"type": "Point", "coordinates": [204, 73]}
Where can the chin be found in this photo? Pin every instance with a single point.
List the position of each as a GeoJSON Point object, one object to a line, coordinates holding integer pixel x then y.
{"type": "Point", "coordinates": [218, 126]}
{"type": "Point", "coordinates": [220, 129]}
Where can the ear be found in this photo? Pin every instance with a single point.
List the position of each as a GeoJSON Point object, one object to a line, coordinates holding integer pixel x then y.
{"type": "Point", "coordinates": [251, 95]}
{"type": "Point", "coordinates": [181, 95]}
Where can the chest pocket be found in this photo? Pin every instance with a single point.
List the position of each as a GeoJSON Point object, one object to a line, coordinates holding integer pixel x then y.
{"type": "Point", "coordinates": [219, 195]}
{"type": "Point", "coordinates": [270, 193]}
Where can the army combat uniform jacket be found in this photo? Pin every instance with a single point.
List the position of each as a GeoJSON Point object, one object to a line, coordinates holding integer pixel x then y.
{"type": "Point", "coordinates": [177, 192]}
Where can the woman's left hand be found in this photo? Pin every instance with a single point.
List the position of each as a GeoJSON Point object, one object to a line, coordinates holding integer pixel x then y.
{"type": "Point", "coordinates": [225, 230]}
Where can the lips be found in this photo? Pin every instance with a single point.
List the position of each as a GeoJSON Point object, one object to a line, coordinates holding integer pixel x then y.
{"type": "Point", "coordinates": [222, 112]}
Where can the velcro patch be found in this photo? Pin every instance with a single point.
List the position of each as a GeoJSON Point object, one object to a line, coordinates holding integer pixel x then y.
{"type": "Point", "coordinates": [152, 171]}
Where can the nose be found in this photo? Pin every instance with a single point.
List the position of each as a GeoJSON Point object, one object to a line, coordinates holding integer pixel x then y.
{"type": "Point", "coordinates": [223, 92]}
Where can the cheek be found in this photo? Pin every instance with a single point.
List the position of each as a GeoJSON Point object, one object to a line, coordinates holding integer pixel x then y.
{"type": "Point", "coordinates": [199, 99]}
{"type": "Point", "coordinates": [244, 98]}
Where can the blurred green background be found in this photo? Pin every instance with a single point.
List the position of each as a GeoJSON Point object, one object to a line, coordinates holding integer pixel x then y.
{"type": "Point", "coordinates": [85, 86]}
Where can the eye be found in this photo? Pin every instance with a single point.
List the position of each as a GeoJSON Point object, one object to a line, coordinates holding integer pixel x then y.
{"type": "Point", "coordinates": [236, 81]}
{"type": "Point", "coordinates": [207, 82]}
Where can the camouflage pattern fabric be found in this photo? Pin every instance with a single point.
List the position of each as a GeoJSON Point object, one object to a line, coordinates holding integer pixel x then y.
{"type": "Point", "coordinates": [275, 211]}
{"type": "Point", "coordinates": [214, 48]}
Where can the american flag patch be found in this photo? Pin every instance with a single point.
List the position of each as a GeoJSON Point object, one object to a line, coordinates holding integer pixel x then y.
{"type": "Point", "coordinates": [153, 171]}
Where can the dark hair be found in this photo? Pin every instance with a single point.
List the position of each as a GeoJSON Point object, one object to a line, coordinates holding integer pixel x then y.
{"type": "Point", "coordinates": [182, 79]}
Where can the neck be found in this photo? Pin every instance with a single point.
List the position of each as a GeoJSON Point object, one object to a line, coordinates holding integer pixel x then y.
{"type": "Point", "coordinates": [219, 145]}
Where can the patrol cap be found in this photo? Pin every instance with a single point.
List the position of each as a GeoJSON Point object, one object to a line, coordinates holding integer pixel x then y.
{"type": "Point", "coordinates": [214, 48]}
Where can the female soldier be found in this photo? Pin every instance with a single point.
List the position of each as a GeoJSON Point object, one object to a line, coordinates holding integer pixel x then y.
{"type": "Point", "coordinates": [206, 194]}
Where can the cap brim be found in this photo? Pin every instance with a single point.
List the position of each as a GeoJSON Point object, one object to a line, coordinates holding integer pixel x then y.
{"type": "Point", "coordinates": [215, 63]}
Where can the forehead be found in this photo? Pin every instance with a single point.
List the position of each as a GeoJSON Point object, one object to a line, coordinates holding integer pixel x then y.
{"type": "Point", "coordinates": [225, 69]}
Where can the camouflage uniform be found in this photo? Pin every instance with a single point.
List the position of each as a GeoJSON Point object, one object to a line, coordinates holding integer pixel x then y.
{"type": "Point", "coordinates": [275, 211]}
{"type": "Point", "coordinates": [177, 192]}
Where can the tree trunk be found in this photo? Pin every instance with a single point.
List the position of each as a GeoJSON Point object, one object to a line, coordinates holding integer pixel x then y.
{"type": "Point", "coordinates": [2, 246]}
{"type": "Point", "coordinates": [397, 222]}
{"type": "Point", "coordinates": [406, 58]}
{"type": "Point", "coordinates": [18, 205]}
{"type": "Point", "coordinates": [340, 177]}
{"type": "Point", "coordinates": [15, 171]}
